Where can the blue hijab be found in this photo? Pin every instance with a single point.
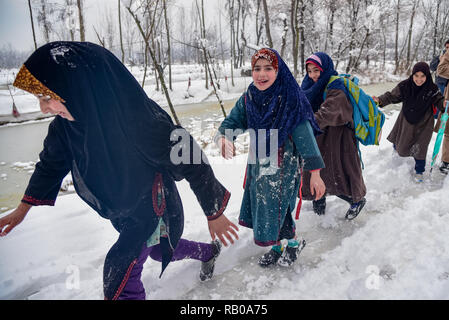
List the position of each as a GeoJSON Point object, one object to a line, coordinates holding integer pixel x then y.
{"type": "Point", "coordinates": [314, 91]}
{"type": "Point", "coordinates": [283, 106]}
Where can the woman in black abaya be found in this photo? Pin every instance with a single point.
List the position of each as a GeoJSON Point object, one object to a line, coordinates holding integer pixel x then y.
{"type": "Point", "coordinates": [117, 144]}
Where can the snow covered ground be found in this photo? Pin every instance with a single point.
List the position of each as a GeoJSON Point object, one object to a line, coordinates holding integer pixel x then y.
{"type": "Point", "coordinates": [396, 249]}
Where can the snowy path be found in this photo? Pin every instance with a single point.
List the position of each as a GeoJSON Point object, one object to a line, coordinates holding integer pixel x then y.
{"type": "Point", "coordinates": [397, 248]}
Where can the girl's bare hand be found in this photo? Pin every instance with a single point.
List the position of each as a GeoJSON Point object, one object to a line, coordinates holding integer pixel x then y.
{"type": "Point", "coordinates": [223, 228]}
{"type": "Point", "coordinates": [227, 148]}
{"type": "Point", "coordinates": [317, 186]}
{"type": "Point", "coordinates": [10, 221]}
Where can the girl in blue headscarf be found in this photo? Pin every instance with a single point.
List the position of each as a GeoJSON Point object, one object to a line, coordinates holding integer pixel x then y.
{"type": "Point", "coordinates": [338, 146]}
{"type": "Point", "coordinates": [273, 106]}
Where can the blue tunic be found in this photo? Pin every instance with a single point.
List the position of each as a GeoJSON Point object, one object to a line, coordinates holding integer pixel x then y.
{"type": "Point", "coordinates": [269, 198]}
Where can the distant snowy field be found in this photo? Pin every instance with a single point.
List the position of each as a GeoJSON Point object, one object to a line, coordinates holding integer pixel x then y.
{"type": "Point", "coordinates": [180, 94]}
{"type": "Point", "coordinates": [396, 249]}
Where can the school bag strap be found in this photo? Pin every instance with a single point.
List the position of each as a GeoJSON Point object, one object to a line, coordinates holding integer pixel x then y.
{"type": "Point", "coordinates": [368, 119]}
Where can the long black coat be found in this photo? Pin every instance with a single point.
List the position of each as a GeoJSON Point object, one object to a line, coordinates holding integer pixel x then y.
{"type": "Point", "coordinates": [119, 148]}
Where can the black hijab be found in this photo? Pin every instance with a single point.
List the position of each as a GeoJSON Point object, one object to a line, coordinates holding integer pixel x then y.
{"type": "Point", "coordinates": [119, 137]}
{"type": "Point", "coordinates": [417, 99]}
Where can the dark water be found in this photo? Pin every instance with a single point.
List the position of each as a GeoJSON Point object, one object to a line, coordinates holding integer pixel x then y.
{"type": "Point", "coordinates": [23, 142]}
{"type": "Point", "coordinates": [19, 143]}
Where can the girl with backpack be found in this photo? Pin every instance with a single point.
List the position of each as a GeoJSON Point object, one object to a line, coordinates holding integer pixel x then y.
{"type": "Point", "coordinates": [413, 129]}
{"type": "Point", "coordinates": [342, 174]}
{"type": "Point", "coordinates": [273, 103]}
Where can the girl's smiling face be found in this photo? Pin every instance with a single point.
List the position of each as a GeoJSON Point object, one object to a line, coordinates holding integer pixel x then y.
{"type": "Point", "coordinates": [419, 78]}
{"type": "Point", "coordinates": [264, 74]}
{"type": "Point", "coordinates": [313, 72]}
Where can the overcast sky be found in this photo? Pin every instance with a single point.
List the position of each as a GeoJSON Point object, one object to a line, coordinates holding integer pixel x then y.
{"type": "Point", "coordinates": [15, 26]}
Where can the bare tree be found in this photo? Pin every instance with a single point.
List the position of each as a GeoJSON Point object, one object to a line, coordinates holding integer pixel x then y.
{"type": "Point", "coordinates": [354, 9]}
{"type": "Point", "coordinates": [145, 36]}
{"type": "Point", "coordinates": [332, 6]}
{"type": "Point", "coordinates": [81, 19]}
{"type": "Point", "coordinates": [168, 43]}
{"type": "Point", "coordinates": [301, 30]}
{"type": "Point", "coordinates": [259, 24]}
{"type": "Point", "coordinates": [294, 4]}
{"type": "Point", "coordinates": [120, 31]}
{"type": "Point", "coordinates": [230, 5]}
{"type": "Point", "coordinates": [43, 20]}
{"type": "Point", "coordinates": [283, 18]}
{"type": "Point", "coordinates": [409, 37]}
{"type": "Point", "coordinates": [70, 18]}
{"type": "Point", "coordinates": [396, 41]}
{"type": "Point", "coordinates": [203, 37]}
{"type": "Point", "coordinates": [267, 24]}
{"type": "Point", "coordinates": [32, 24]}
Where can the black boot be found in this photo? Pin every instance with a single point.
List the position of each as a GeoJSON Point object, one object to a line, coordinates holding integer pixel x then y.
{"type": "Point", "coordinates": [355, 209]}
{"type": "Point", "coordinates": [207, 268]}
{"type": "Point", "coordinates": [269, 258]}
{"type": "Point", "coordinates": [291, 254]}
{"type": "Point", "coordinates": [319, 206]}
{"type": "Point", "coordinates": [444, 169]}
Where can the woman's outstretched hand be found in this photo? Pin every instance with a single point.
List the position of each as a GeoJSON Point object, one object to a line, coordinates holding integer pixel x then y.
{"type": "Point", "coordinates": [10, 221]}
{"type": "Point", "coordinates": [223, 228]}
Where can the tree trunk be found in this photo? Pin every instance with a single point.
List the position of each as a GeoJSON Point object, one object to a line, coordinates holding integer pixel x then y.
{"type": "Point", "coordinates": [243, 37]}
{"type": "Point", "coordinates": [205, 53]}
{"type": "Point", "coordinates": [355, 12]}
{"type": "Point", "coordinates": [159, 70]}
{"type": "Point", "coordinates": [231, 17]}
{"type": "Point", "coordinates": [435, 30]}
{"type": "Point", "coordinates": [221, 36]}
{"type": "Point", "coordinates": [302, 35]}
{"type": "Point", "coordinates": [81, 19]}
{"type": "Point", "coordinates": [333, 8]}
{"type": "Point", "coordinates": [120, 32]}
{"type": "Point", "coordinates": [409, 42]}
{"type": "Point", "coordinates": [396, 42]}
{"type": "Point", "coordinates": [237, 32]}
{"type": "Point", "coordinates": [267, 24]}
{"type": "Point", "coordinates": [102, 41]}
{"type": "Point", "coordinates": [168, 44]}
{"type": "Point", "coordinates": [202, 36]}
{"type": "Point", "coordinates": [45, 22]}
{"type": "Point", "coordinates": [258, 27]}
{"type": "Point", "coordinates": [284, 37]}
{"type": "Point", "coordinates": [357, 62]}
{"type": "Point", "coordinates": [293, 23]}
{"type": "Point", "coordinates": [32, 25]}
{"type": "Point", "coordinates": [72, 30]}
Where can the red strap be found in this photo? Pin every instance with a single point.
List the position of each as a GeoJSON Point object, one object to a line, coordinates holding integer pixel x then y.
{"type": "Point", "coordinates": [298, 208]}
{"type": "Point", "coordinates": [244, 180]}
